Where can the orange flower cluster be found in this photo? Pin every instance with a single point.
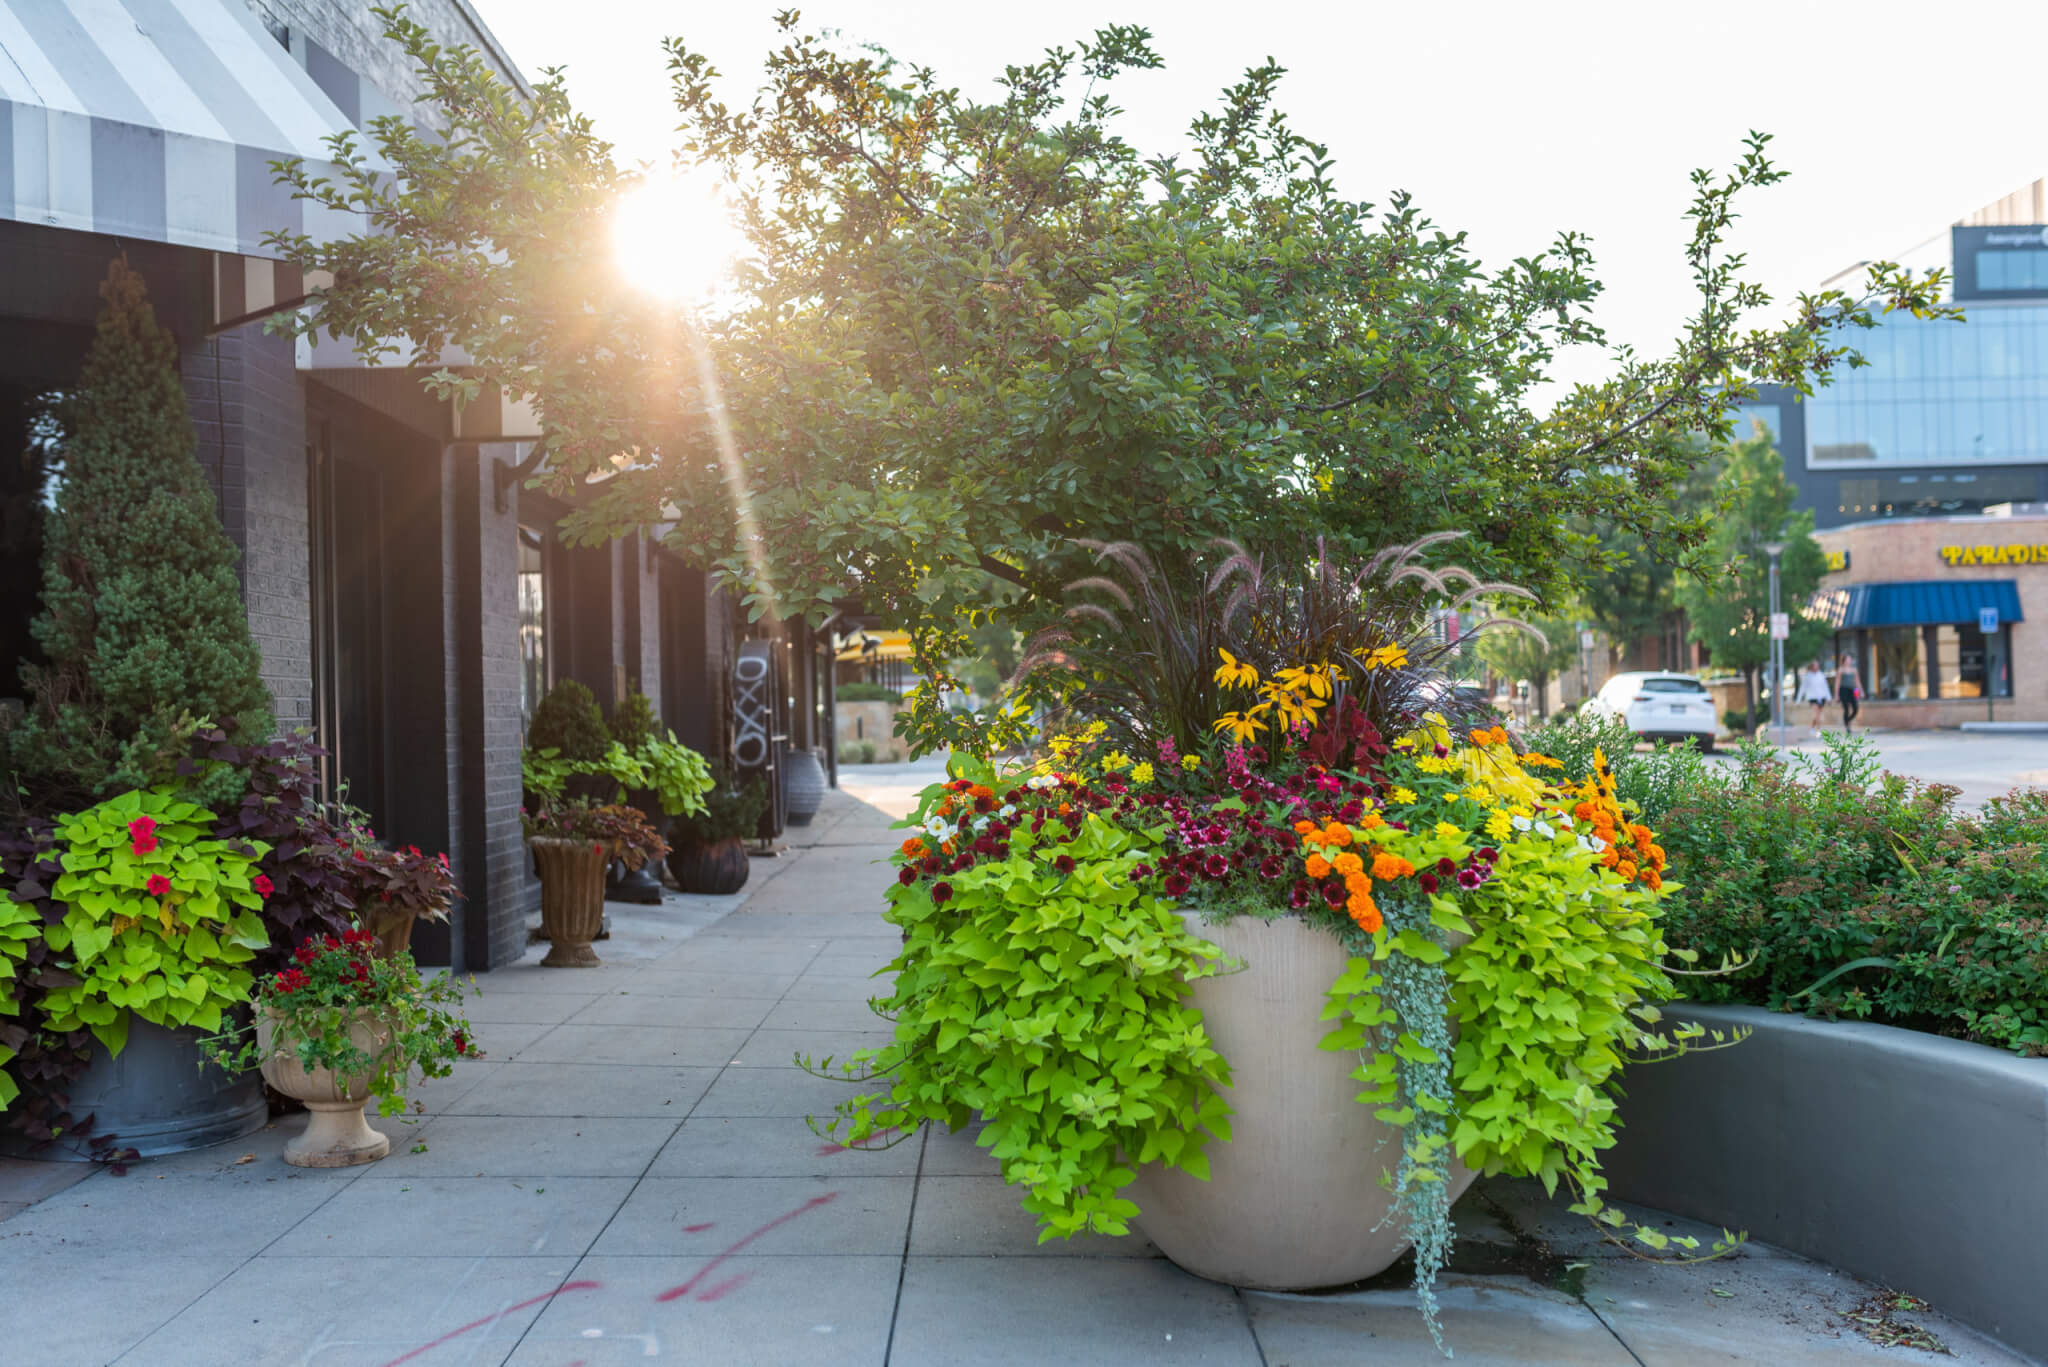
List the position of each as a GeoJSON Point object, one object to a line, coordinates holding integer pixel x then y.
{"type": "Point", "coordinates": [1328, 855]}
{"type": "Point", "coordinates": [1632, 849]}
{"type": "Point", "coordinates": [1491, 735]}
{"type": "Point", "coordinates": [914, 848]}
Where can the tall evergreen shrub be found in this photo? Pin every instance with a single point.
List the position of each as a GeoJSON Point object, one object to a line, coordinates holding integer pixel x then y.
{"type": "Point", "coordinates": [142, 621]}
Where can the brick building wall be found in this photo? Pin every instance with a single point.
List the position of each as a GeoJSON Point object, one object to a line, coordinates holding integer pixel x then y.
{"type": "Point", "coordinates": [1907, 549]}
{"type": "Point", "coordinates": [249, 415]}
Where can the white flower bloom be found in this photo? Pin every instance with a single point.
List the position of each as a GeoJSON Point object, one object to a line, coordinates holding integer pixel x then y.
{"type": "Point", "coordinates": [1543, 828]}
{"type": "Point", "coordinates": [1564, 821]}
{"type": "Point", "coordinates": [938, 827]}
{"type": "Point", "coordinates": [980, 824]}
{"type": "Point", "coordinates": [1007, 812]}
{"type": "Point", "coordinates": [1521, 823]}
{"type": "Point", "coordinates": [1598, 846]}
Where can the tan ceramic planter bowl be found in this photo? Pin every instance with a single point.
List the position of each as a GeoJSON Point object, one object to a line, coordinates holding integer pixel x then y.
{"type": "Point", "coordinates": [337, 1135]}
{"type": "Point", "coordinates": [1293, 1201]}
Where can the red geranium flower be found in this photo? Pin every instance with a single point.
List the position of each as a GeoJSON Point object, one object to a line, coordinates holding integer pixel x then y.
{"type": "Point", "coordinates": [264, 887]}
{"type": "Point", "coordinates": [461, 1042]}
{"type": "Point", "coordinates": [159, 885]}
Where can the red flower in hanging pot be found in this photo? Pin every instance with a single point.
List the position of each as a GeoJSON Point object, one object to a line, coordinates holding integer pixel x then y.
{"type": "Point", "coordinates": [159, 885]}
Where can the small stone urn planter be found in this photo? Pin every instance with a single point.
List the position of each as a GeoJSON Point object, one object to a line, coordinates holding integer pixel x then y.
{"type": "Point", "coordinates": [1293, 1201]}
{"type": "Point", "coordinates": [572, 878]}
{"type": "Point", "coordinates": [337, 1135]}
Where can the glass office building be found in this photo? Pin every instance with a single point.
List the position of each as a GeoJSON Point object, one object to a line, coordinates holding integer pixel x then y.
{"type": "Point", "coordinates": [1947, 417]}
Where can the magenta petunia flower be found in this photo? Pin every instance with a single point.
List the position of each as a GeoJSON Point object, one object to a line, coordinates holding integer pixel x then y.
{"type": "Point", "coordinates": [159, 885]}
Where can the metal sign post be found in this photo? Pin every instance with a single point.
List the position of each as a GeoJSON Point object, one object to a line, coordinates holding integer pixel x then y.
{"type": "Point", "coordinates": [1781, 630]}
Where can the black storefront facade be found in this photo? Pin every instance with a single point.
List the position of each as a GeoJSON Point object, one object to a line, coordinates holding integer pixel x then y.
{"type": "Point", "coordinates": [409, 596]}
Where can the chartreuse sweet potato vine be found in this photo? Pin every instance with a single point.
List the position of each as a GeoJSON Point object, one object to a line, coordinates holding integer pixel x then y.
{"type": "Point", "coordinates": [1042, 991]}
{"type": "Point", "coordinates": [161, 919]}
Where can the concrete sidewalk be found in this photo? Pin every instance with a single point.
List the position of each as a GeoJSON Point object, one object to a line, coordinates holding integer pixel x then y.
{"type": "Point", "coordinates": [628, 1177]}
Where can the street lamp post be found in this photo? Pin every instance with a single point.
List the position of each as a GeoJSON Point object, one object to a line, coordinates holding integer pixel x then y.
{"type": "Point", "coordinates": [1775, 549]}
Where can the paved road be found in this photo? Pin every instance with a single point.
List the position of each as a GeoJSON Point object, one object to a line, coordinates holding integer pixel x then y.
{"type": "Point", "coordinates": [1982, 765]}
{"type": "Point", "coordinates": [628, 1178]}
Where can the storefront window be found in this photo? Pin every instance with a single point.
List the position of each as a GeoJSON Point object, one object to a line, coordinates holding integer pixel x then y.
{"type": "Point", "coordinates": [1898, 674]}
{"type": "Point", "coordinates": [533, 636]}
{"type": "Point", "coordinates": [1959, 661]}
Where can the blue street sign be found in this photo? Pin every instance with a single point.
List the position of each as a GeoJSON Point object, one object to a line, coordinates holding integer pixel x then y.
{"type": "Point", "coordinates": [1987, 620]}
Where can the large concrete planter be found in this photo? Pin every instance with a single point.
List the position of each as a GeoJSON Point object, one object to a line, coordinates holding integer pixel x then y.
{"type": "Point", "coordinates": [336, 1134]}
{"type": "Point", "coordinates": [1906, 1159]}
{"type": "Point", "coordinates": [1293, 1201]}
{"type": "Point", "coordinates": [718, 868]}
{"type": "Point", "coordinates": [158, 1096]}
{"type": "Point", "coordinates": [572, 876]}
{"type": "Point", "coordinates": [803, 782]}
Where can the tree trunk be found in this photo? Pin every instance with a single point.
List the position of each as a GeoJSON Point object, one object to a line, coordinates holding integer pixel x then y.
{"type": "Point", "coordinates": [1542, 684]}
{"type": "Point", "coordinates": [1749, 692]}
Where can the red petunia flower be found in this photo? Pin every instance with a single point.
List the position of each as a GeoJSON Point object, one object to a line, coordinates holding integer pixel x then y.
{"type": "Point", "coordinates": [264, 887]}
{"type": "Point", "coordinates": [941, 893]}
{"type": "Point", "coordinates": [144, 844]}
{"type": "Point", "coordinates": [1064, 863]}
{"type": "Point", "coordinates": [141, 828]}
{"type": "Point", "coordinates": [158, 885]}
{"type": "Point", "coordinates": [906, 875]}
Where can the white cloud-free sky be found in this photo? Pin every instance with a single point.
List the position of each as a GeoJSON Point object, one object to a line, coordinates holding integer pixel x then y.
{"type": "Point", "coordinates": [1510, 120]}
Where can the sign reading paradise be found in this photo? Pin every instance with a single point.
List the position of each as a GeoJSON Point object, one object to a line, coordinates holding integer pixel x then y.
{"type": "Point", "coordinates": [1956, 556]}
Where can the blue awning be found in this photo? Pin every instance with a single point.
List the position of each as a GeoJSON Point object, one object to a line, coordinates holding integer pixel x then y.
{"type": "Point", "coordinates": [1916, 603]}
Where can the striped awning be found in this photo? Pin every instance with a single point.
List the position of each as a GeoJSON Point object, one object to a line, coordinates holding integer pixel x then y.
{"type": "Point", "coordinates": [1915, 603]}
{"type": "Point", "coordinates": [158, 120]}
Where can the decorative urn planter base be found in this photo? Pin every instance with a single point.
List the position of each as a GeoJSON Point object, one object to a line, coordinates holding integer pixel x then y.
{"type": "Point", "coordinates": [1293, 1201]}
{"type": "Point", "coordinates": [716, 869]}
{"type": "Point", "coordinates": [337, 1135]}
{"type": "Point", "coordinates": [572, 874]}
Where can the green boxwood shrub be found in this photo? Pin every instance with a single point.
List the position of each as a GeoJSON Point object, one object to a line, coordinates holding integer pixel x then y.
{"type": "Point", "coordinates": [567, 721]}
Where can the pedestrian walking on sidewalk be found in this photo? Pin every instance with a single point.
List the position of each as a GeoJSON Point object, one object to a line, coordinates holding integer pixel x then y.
{"type": "Point", "coordinates": [1849, 687]}
{"type": "Point", "coordinates": [1813, 688]}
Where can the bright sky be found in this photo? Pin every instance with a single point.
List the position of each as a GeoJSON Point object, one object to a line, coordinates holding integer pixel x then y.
{"type": "Point", "coordinates": [1510, 120]}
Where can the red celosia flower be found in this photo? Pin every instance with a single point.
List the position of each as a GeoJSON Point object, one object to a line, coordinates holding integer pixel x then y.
{"type": "Point", "coordinates": [159, 885]}
{"type": "Point", "coordinates": [264, 887]}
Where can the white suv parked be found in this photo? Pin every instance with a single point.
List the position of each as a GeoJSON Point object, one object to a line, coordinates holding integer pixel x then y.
{"type": "Point", "coordinates": [1671, 707]}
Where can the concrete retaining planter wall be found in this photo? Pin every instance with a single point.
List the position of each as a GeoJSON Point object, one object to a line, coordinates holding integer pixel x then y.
{"type": "Point", "coordinates": [1913, 1161]}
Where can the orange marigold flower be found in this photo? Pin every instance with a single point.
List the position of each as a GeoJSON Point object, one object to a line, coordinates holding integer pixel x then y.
{"type": "Point", "coordinates": [1584, 811]}
{"type": "Point", "coordinates": [1610, 856]}
{"type": "Point", "coordinates": [1657, 855]}
{"type": "Point", "coordinates": [1066, 809]}
{"type": "Point", "coordinates": [1365, 914]}
{"type": "Point", "coordinates": [946, 847]}
{"type": "Point", "coordinates": [1348, 863]}
{"type": "Point", "coordinates": [979, 790]}
{"type": "Point", "coordinates": [1627, 869]}
{"type": "Point", "coordinates": [1318, 867]}
{"type": "Point", "coordinates": [1337, 834]}
{"type": "Point", "coordinates": [945, 806]}
{"type": "Point", "coordinates": [1653, 880]}
{"type": "Point", "coordinates": [1642, 835]}
{"type": "Point", "coordinates": [1371, 821]}
{"type": "Point", "coordinates": [1305, 828]}
{"type": "Point", "coordinates": [913, 848]}
{"type": "Point", "coordinates": [1387, 867]}
{"type": "Point", "coordinates": [1358, 885]}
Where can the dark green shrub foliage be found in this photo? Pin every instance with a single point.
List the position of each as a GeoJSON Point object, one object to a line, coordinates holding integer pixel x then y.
{"type": "Point", "coordinates": [142, 620]}
{"type": "Point", "coordinates": [1865, 896]}
{"type": "Point", "coordinates": [866, 692]}
{"type": "Point", "coordinates": [569, 722]}
{"type": "Point", "coordinates": [633, 723]}
{"type": "Point", "coordinates": [728, 812]}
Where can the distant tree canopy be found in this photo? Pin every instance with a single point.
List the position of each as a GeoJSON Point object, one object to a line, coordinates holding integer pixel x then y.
{"type": "Point", "coordinates": [1728, 604]}
{"type": "Point", "coordinates": [968, 332]}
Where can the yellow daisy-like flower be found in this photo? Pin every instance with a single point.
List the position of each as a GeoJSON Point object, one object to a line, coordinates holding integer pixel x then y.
{"type": "Point", "coordinates": [1430, 764]}
{"type": "Point", "coordinates": [1401, 797]}
{"type": "Point", "coordinates": [1190, 762]}
{"type": "Point", "coordinates": [1242, 726]}
{"type": "Point", "coordinates": [1446, 831]}
{"type": "Point", "coordinates": [1500, 825]}
{"type": "Point", "coordinates": [1115, 760]}
{"type": "Point", "coordinates": [1233, 672]}
{"type": "Point", "coordinates": [1481, 794]}
{"type": "Point", "coordinates": [1141, 773]}
{"type": "Point", "coordinates": [1387, 657]}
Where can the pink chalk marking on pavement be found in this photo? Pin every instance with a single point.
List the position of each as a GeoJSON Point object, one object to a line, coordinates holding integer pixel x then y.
{"type": "Point", "coordinates": [695, 1229]}
{"type": "Point", "coordinates": [827, 1150]}
{"type": "Point", "coordinates": [730, 1284]}
{"type": "Point", "coordinates": [675, 1293]}
{"type": "Point", "coordinates": [426, 1348]}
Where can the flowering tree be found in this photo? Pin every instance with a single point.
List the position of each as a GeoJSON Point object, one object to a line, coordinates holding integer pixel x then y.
{"type": "Point", "coordinates": [969, 332]}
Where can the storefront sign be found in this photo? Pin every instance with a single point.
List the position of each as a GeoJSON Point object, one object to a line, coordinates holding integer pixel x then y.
{"type": "Point", "coordinates": [1958, 556]}
{"type": "Point", "coordinates": [1837, 561]}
